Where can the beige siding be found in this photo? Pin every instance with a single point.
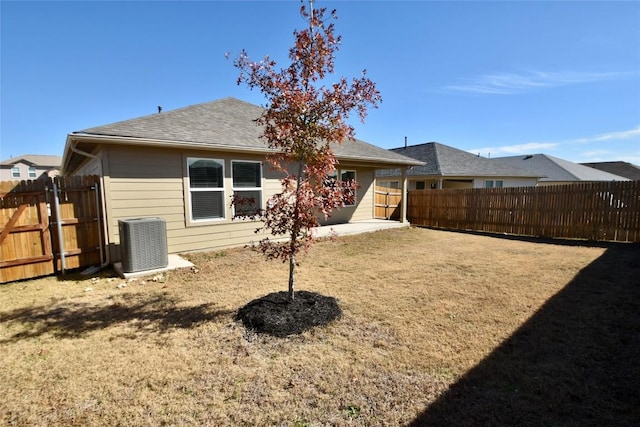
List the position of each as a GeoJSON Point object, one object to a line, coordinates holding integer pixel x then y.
{"type": "Point", "coordinates": [363, 208]}
{"type": "Point", "coordinates": [154, 183]}
{"type": "Point", "coordinates": [506, 182]}
{"type": "Point", "coordinates": [450, 182]}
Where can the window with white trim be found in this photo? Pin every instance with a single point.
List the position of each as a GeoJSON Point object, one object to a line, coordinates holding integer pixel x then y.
{"type": "Point", "coordinates": [206, 189]}
{"type": "Point", "coordinates": [32, 172]}
{"type": "Point", "coordinates": [247, 187]}
{"type": "Point", "coordinates": [349, 175]}
{"type": "Point", "coordinates": [15, 172]}
{"type": "Point", "coordinates": [389, 184]}
{"type": "Point", "coordinates": [493, 184]}
{"type": "Point", "coordinates": [345, 175]}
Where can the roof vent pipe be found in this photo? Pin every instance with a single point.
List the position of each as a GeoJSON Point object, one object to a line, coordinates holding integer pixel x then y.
{"type": "Point", "coordinates": [159, 109]}
{"type": "Point", "coordinates": [405, 142]}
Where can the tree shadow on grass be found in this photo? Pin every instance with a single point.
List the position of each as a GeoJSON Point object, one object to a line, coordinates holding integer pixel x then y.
{"type": "Point", "coordinates": [73, 320]}
{"type": "Point", "coordinates": [575, 362]}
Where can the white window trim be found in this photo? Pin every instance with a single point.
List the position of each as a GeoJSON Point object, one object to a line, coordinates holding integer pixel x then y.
{"type": "Point", "coordinates": [15, 169]}
{"type": "Point", "coordinates": [33, 172]}
{"type": "Point", "coordinates": [208, 189]}
{"type": "Point", "coordinates": [260, 189]}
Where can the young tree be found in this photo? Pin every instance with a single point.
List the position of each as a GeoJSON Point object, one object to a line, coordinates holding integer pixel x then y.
{"type": "Point", "coordinates": [302, 119]}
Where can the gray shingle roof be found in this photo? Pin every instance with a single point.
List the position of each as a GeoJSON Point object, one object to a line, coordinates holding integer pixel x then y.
{"type": "Point", "coordinates": [555, 169]}
{"type": "Point", "coordinates": [227, 123]}
{"type": "Point", "coordinates": [625, 169]}
{"type": "Point", "coordinates": [45, 161]}
{"type": "Point", "coordinates": [443, 160]}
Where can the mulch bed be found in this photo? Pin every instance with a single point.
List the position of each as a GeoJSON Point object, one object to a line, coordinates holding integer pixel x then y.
{"type": "Point", "coordinates": [275, 315]}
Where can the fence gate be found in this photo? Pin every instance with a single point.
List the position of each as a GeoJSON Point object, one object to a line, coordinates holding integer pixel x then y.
{"type": "Point", "coordinates": [48, 226]}
{"type": "Point", "coordinates": [25, 240]}
{"type": "Point", "coordinates": [387, 202]}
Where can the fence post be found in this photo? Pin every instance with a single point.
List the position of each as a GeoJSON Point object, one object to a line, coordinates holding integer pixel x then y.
{"type": "Point", "coordinates": [56, 205]}
{"type": "Point", "coordinates": [403, 197]}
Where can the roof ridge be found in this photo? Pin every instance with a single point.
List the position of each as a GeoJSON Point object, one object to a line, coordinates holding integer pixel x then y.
{"type": "Point", "coordinates": [437, 157]}
{"type": "Point", "coordinates": [414, 145]}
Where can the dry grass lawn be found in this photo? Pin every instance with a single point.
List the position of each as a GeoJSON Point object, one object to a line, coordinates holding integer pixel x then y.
{"type": "Point", "coordinates": [438, 328]}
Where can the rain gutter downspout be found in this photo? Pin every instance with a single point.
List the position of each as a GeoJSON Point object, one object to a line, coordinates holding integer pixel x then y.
{"type": "Point", "coordinates": [103, 226]}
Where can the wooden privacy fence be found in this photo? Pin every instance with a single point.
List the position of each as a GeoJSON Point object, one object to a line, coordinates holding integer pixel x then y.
{"type": "Point", "coordinates": [48, 226]}
{"type": "Point", "coordinates": [387, 201]}
{"type": "Point", "coordinates": [595, 211]}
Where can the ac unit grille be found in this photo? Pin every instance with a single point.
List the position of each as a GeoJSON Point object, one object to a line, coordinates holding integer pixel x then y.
{"type": "Point", "coordinates": [143, 244]}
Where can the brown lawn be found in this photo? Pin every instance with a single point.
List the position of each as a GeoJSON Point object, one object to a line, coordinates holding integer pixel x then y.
{"type": "Point", "coordinates": [438, 328]}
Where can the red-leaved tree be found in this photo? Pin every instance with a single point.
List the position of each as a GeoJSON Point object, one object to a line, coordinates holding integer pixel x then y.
{"type": "Point", "coordinates": [302, 119]}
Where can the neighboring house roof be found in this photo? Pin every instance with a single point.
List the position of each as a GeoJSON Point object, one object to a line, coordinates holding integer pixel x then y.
{"type": "Point", "coordinates": [443, 160]}
{"type": "Point", "coordinates": [227, 124]}
{"type": "Point", "coordinates": [555, 169]}
{"type": "Point", "coordinates": [44, 161]}
{"type": "Point", "coordinates": [625, 169]}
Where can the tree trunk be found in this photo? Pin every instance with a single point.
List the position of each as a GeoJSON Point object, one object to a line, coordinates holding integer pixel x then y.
{"type": "Point", "coordinates": [292, 277]}
{"type": "Point", "coordinates": [294, 233]}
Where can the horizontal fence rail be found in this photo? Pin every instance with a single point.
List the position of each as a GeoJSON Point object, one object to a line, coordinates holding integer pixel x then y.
{"type": "Point", "coordinates": [607, 211]}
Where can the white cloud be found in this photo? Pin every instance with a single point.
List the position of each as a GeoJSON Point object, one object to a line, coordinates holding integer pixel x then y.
{"type": "Point", "coordinates": [625, 134]}
{"type": "Point", "coordinates": [514, 83]}
{"type": "Point", "coordinates": [594, 153]}
{"type": "Point", "coordinates": [601, 147]}
{"type": "Point", "coordinates": [528, 148]}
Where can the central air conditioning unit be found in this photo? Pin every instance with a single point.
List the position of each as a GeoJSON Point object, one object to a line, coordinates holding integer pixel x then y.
{"type": "Point", "coordinates": [143, 244]}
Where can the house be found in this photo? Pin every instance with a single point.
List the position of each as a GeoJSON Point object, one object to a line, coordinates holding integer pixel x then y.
{"type": "Point", "coordinates": [29, 166]}
{"type": "Point", "coordinates": [625, 169]}
{"type": "Point", "coordinates": [448, 167]}
{"type": "Point", "coordinates": [556, 171]}
{"type": "Point", "coordinates": [184, 166]}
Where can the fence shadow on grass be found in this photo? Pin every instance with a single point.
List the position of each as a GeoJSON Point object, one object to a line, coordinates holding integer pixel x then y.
{"type": "Point", "coordinates": [73, 320]}
{"type": "Point", "coordinates": [575, 362]}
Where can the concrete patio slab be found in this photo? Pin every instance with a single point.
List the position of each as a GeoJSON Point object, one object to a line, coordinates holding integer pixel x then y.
{"type": "Point", "coordinates": [175, 262]}
{"type": "Point", "coordinates": [357, 227]}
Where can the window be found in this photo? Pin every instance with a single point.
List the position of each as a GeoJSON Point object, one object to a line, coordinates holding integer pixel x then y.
{"type": "Point", "coordinates": [32, 172]}
{"type": "Point", "coordinates": [349, 175]}
{"type": "Point", "coordinates": [420, 185]}
{"type": "Point", "coordinates": [206, 189]}
{"type": "Point", "coordinates": [488, 184]}
{"type": "Point", "coordinates": [15, 172]}
{"type": "Point", "coordinates": [493, 184]}
{"type": "Point", "coordinates": [247, 187]}
{"type": "Point", "coordinates": [345, 175]}
{"type": "Point", "coordinates": [498, 184]}
{"type": "Point", "coordinates": [389, 184]}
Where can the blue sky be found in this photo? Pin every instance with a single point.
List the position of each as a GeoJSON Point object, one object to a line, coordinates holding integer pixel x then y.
{"type": "Point", "coordinates": [495, 78]}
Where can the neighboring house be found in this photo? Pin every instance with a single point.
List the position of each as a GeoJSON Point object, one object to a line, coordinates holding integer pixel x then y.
{"type": "Point", "coordinates": [448, 167]}
{"type": "Point", "coordinates": [184, 166]}
{"type": "Point", "coordinates": [29, 166]}
{"type": "Point", "coordinates": [557, 171]}
{"type": "Point", "coordinates": [625, 169]}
